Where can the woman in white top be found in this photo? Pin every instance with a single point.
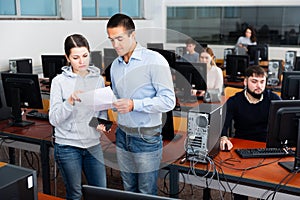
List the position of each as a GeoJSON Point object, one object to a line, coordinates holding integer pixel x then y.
{"type": "Point", "coordinates": [214, 73]}
{"type": "Point", "coordinates": [249, 38]}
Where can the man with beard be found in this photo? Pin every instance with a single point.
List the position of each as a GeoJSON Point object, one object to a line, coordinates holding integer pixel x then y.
{"type": "Point", "coordinates": [249, 109]}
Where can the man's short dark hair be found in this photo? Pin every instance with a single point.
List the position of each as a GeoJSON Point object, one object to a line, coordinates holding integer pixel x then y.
{"type": "Point", "coordinates": [121, 20]}
{"type": "Point", "coordinates": [255, 70]}
{"type": "Point", "coordinates": [190, 41]}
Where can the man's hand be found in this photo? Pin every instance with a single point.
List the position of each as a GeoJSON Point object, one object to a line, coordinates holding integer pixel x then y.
{"type": "Point", "coordinates": [124, 105]}
{"type": "Point", "coordinates": [225, 140]}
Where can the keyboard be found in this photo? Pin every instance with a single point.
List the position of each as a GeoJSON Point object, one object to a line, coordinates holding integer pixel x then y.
{"type": "Point", "coordinates": [38, 115]}
{"type": "Point", "coordinates": [264, 152]}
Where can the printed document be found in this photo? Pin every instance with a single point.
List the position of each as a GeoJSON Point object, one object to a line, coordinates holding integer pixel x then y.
{"type": "Point", "coordinates": [99, 99]}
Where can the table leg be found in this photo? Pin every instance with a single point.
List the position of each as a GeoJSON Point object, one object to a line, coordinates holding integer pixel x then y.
{"type": "Point", "coordinates": [174, 181]}
{"type": "Point", "coordinates": [12, 155]}
{"type": "Point", "coordinates": [45, 167]}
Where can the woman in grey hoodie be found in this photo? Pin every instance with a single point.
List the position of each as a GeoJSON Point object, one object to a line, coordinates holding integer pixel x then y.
{"type": "Point", "coordinates": [77, 145]}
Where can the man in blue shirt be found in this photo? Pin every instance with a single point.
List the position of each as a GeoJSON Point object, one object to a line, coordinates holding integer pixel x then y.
{"type": "Point", "coordinates": [190, 55]}
{"type": "Point", "coordinates": [142, 82]}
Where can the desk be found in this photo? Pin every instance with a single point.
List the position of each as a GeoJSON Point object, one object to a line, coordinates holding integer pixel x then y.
{"type": "Point", "coordinates": [254, 182]}
{"type": "Point", "coordinates": [42, 196]}
{"type": "Point", "coordinates": [40, 134]}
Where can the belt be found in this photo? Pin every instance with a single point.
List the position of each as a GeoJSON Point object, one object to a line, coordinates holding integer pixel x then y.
{"type": "Point", "coordinates": [141, 130]}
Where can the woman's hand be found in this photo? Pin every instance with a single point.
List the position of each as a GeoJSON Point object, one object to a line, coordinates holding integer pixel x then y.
{"type": "Point", "coordinates": [102, 128]}
{"type": "Point", "coordinates": [74, 97]}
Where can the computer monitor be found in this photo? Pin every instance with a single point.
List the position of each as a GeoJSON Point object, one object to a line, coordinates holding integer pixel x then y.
{"type": "Point", "coordinates": [258, 53]}
{"type": "Point", "coordinates": [168, 126]}
{"type": "Point", "coordinates": [95, 193]}
{"type": "Point", "coordinates": [189, 76]}
{"type": "Point", "coordinates": [96, 59]}
{"type": "Point", "coordinates": [155, 45]}
{"type": "Point", "coordinates": [199, 47]}
{"type": "Point", "coordinates": [170, 56]}
{"type": "Point", "coordinates": [236, 66]}
{"type": "Point", "coordinates": [21, 91]}
{"type": "Point", "coordinates": [297, 64]}
{"type": "Point", "coordinates": [52, 65]}
{"type": "Point", "coordinates": [284, 129]}
{"type": "Point", "coordinates": [4, 110]}
{"type": "Point", "coordinates": [290, 87]}
{"type": "Point", "coordinates": [110, 55]}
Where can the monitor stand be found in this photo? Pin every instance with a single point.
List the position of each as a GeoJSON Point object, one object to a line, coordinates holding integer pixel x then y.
{"type": "Point", "coordinates": [289, 166]}
{"type": "Point", "coordinates": [21, 123]}
{"type": "Point", "coordinates": [294, 166]}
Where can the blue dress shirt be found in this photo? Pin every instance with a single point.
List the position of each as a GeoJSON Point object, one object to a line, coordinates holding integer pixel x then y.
{"type": "Point", "coordinates": [147, 80]}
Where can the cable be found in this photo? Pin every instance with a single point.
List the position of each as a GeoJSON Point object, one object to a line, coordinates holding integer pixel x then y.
{"type": "Point", "coordinates": [279, 185]}
{"type": "Point", "coordinates": [226, 163]}
{"type": "Point", "coordinates": [31, 161]}
{"type": "Point", "coordinates": [166, 187]}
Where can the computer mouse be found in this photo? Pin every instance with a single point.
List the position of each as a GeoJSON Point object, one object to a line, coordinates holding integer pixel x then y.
{"type": "Point", "coordinates": [226, 148]}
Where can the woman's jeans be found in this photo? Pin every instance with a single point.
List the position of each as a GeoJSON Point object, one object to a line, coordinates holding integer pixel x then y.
{"type": "Point", "coordinates": [73, 160]}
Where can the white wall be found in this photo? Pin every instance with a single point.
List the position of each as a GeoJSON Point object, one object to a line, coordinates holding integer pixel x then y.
{"type": "Point", "coordinates": [31, 38]}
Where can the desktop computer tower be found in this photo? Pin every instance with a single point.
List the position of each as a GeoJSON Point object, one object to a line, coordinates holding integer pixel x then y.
{"type": "Point", "coordinates": [227, 51]}
{"type": "Point", "coordinates": [180, 51]}
{"type": "Point", "coordinates": [22, 65]}
{"type": "Point", "coordinates": [205, 123]}
{"type": "Point", "coordinates": [290, 59]}
{"type": "Point", "coordinates": [17, 183]}
{"type": "Point", "coordinates": [274, 72]}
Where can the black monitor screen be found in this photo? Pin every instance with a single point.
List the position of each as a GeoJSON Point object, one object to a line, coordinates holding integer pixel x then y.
{"type": "Point", "coordinates": [297, 64]}
{"type": "Point", "coordinates": [258, 53]}
{"type": "Point", "coordinates": [189, 76]}
{"type": "Point", "coordinates": [283, 128]}
{"type": "Point", "coordinates": [290, 88]}
{"type": "Point", "coordinates": [96, 193]}
{"type": "Point", "coordinates": [168, 126]}
{"type": "Point", "coordinates": [96, 59]}
{"type": "Point", "coordinates": [21, 91]}
{"type": "Point", "coordinates": [52, 65]}
{"type": "Point", "coordinates": [155, 45]}
{"type": "Point", "coordinates": [170, 56]}
{"type": "Point", "coordinates": [236, 66]}
{"type": "Point", "coordinates": [4, 110]}
{"type": "Point", "coordinates": [110, 55]}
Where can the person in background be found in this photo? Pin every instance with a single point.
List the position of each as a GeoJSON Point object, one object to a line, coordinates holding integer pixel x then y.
{"type": "Point", "coordinates": [249, 38]}
{"type": "Point", "coordinates": [77, 145]}
{"type": "Point", "coordinates": [214, 73]}
{"type": "Point", "coordinates": [191, 55]}
{"type": "Point", "coordinates": [249, 109]}
{"type": "Point", "coordinates": [142, 82]}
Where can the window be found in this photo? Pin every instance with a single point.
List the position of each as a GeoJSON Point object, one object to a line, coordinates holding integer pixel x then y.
{"type": "Point", "coordinates": [29, 8]}
{"type": "Point", "coordinates": [274, 25]}
{"type": "Point", "coordinates": [105, 8]}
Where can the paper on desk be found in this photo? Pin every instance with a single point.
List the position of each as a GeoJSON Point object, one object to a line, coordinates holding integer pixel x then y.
{"type": "Point", "coordinates": [99, 99]}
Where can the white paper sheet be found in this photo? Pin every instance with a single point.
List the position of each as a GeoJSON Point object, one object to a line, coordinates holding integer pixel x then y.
{"type": "Point", "coordinates": [99, 99]}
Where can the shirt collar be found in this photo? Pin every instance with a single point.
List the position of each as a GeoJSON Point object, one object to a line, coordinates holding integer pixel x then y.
{"type": "Point", "coordinates": [261, 98]}
{"type": "Point", "coordinates": [137, 53]}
